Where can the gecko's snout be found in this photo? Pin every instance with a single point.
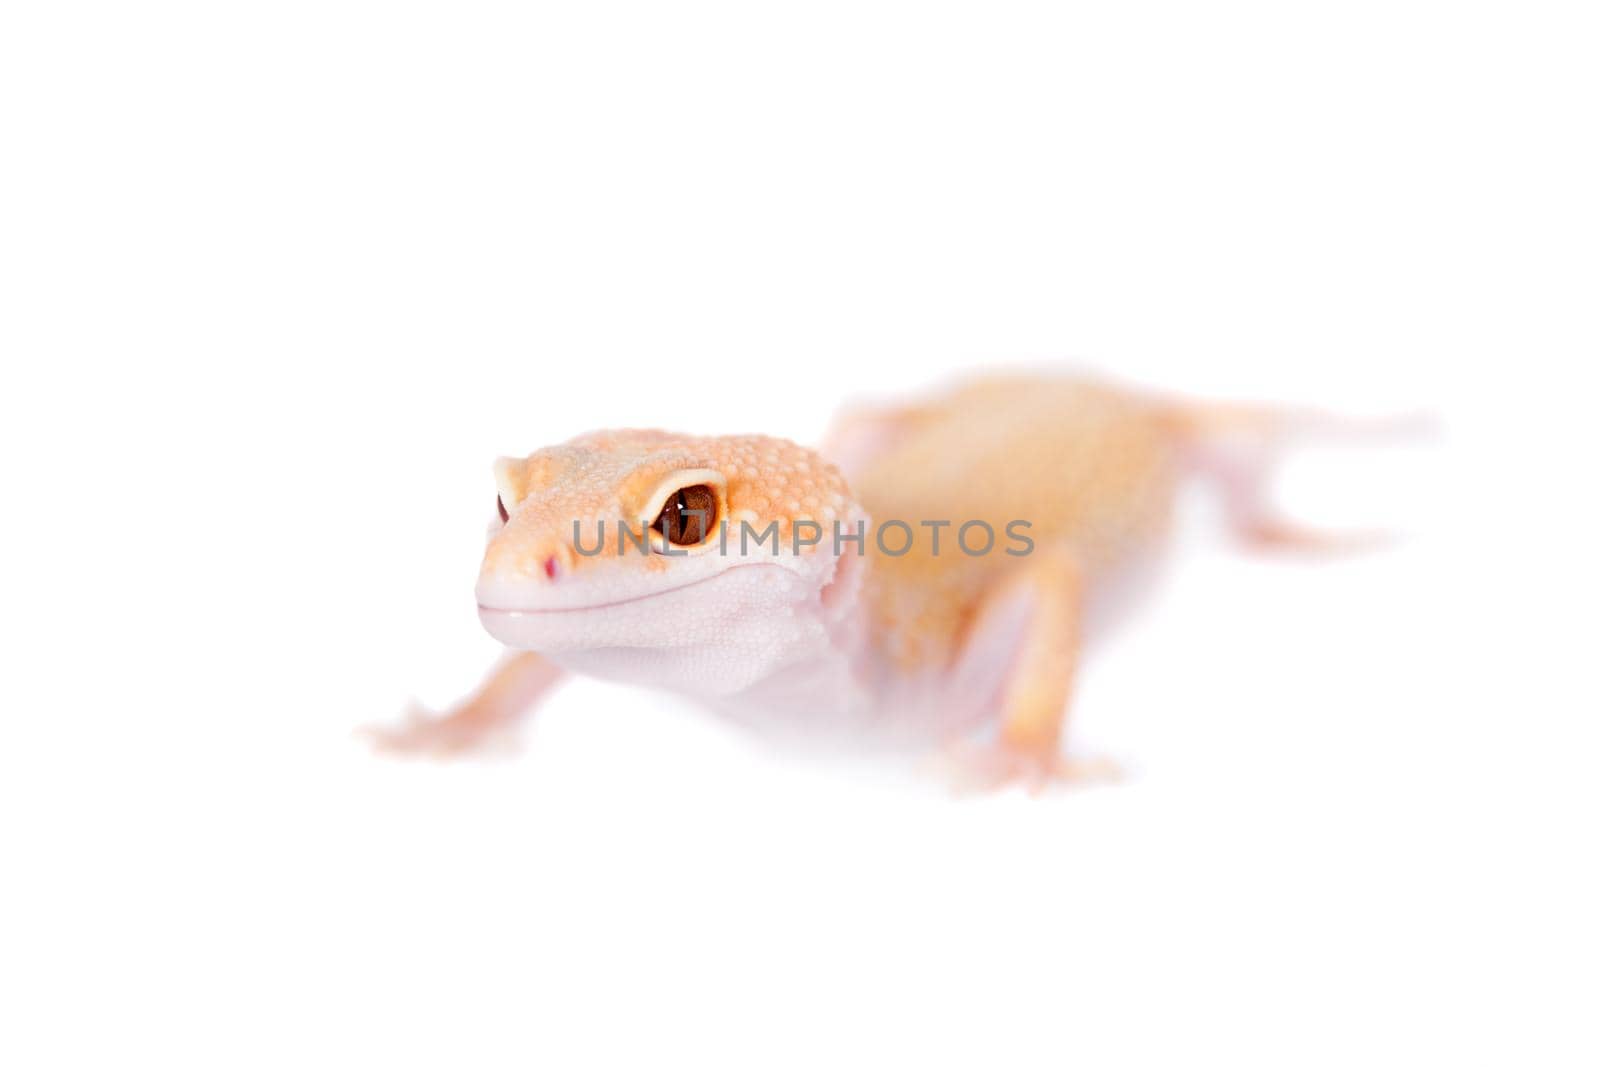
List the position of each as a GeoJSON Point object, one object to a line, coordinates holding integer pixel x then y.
{"type": "Point", "coordinates": [519, 561]}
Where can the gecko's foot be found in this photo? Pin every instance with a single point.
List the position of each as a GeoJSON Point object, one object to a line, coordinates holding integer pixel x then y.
{"type": "Point", "coordinates": [423, 733]}
{"type": "Point", "coordinates": [972, 768]}
{"type": "Point", "coordinates": [1274, 535]}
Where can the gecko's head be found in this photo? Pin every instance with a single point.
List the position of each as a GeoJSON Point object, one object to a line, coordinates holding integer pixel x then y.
{"type": "Point", "coordinates": [698, 563]}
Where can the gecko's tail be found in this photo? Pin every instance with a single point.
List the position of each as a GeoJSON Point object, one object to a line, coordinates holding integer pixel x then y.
{"type": "Point", "coordinates": [1236, 447]}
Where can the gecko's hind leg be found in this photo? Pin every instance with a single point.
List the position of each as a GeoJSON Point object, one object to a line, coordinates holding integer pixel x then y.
{"type": "Point", "coordinates": [1237, 448]}
{"type": "Point", "coordinates": [1244, 483]}
{"type": "Point", "coordinates": [483, 721]}
{"type": "Point", "coordinates": [1037, 687]}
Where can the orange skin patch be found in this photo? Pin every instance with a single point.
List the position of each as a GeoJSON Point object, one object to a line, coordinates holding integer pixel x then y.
{"type": "Point", "coordinates": [1090, 469]}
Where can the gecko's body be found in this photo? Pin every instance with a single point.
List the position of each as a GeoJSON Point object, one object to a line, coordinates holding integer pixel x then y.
{"type": "Point", "coordinates": [639, 556]}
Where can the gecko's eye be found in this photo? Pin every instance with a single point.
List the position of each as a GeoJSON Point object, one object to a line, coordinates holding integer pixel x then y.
{"type": "Point", "coordinates": [505, 516]}
{"type": "Point", "coordinates": [688, 515]}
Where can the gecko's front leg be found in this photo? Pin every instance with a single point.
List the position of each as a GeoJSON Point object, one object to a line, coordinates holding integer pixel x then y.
{"type": "Point", "coordinates": [1038, 683]}
{"type": "Point", "coordinates": [482, 721]}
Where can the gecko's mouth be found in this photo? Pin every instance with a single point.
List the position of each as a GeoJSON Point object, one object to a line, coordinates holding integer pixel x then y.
{"type": "Point", "coordinates": [558, 626]}
{"type": "Point", "coordinates": [571, 609]}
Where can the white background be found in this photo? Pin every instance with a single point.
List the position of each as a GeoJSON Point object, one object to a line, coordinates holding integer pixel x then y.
{"type": "Point", "coordinates": [279, 281]}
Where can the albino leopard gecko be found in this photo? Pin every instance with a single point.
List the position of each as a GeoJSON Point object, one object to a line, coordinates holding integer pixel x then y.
{"type": "Point", "coordinates": [926, 576]}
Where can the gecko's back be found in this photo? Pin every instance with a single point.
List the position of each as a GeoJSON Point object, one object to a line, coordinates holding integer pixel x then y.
{"type": "Point", "coordinates": [1089, 469]}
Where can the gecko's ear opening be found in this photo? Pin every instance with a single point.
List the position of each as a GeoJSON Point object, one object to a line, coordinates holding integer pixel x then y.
{"type": "Point", "coordinates": [511, 480]}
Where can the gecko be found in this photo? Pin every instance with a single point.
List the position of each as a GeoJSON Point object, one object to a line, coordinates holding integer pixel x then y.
{"type": "Point", "coordinates": [927, 578]}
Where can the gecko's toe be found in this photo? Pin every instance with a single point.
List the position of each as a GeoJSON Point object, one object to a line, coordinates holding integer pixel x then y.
{"type": "Point", "coordinates": [425, 734]}
{"type": "Point", "coordinates": [977, 768]}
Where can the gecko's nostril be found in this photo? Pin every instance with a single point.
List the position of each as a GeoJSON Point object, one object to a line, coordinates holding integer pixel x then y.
{"type": "Point", "coordinates": [551, 568]}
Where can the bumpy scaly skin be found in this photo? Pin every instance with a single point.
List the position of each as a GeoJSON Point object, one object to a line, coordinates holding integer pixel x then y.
{"type": "Point", "coordinates": [610, 476]}
{"type": "Point", "coordinates": [809, 639]}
